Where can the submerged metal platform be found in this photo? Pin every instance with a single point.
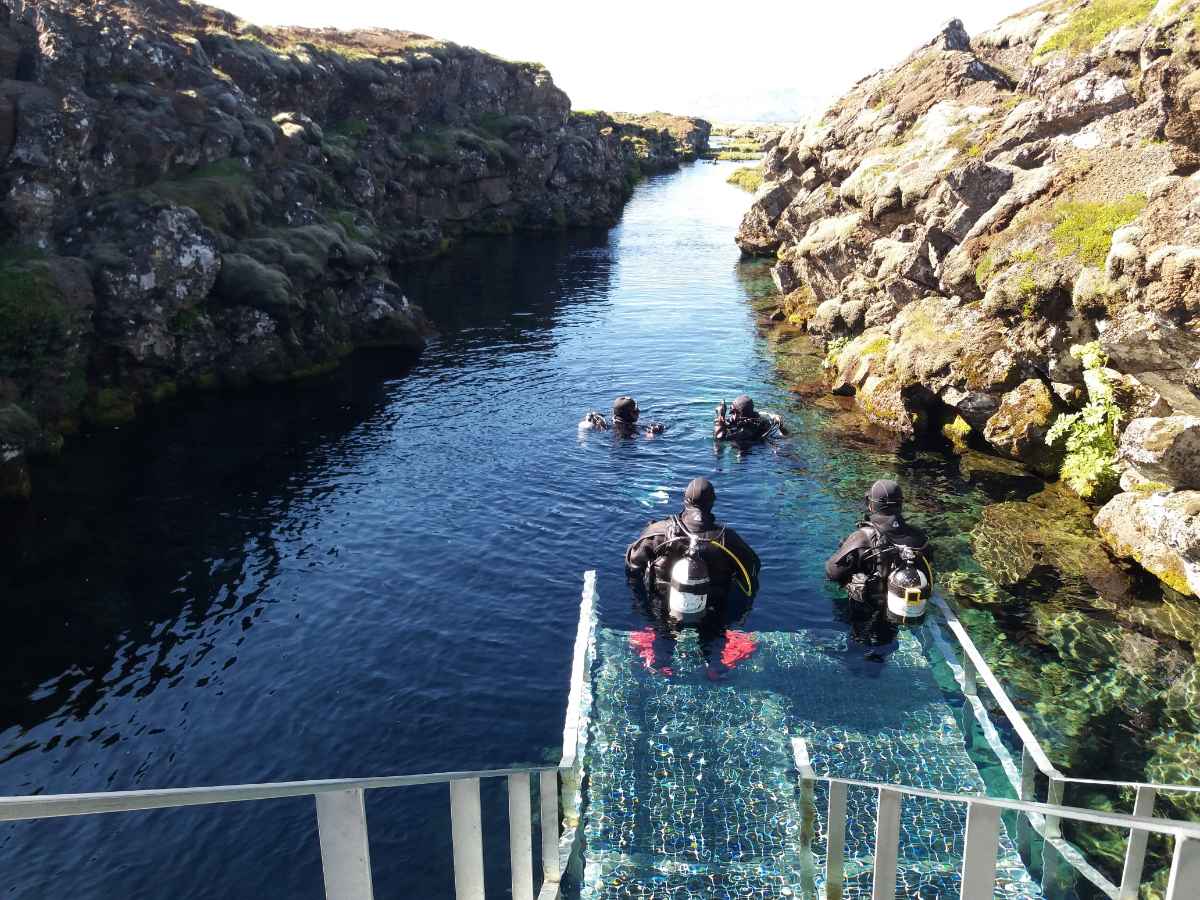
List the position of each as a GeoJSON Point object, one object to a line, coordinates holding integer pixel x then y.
{"type": "Point", "coordinates": [692, 785]}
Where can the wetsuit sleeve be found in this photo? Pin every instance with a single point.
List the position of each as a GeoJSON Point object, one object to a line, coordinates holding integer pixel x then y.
{"type": "Point", "coordinates": [845, 562]}
{"type": "Point", "coordinates": [720, 431]}
{"type": "Point", "coordinates": [641, 552]}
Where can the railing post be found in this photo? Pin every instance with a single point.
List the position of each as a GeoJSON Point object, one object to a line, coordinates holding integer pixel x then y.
{"type": "Point", "coordinates": [887, 845]}
{"type": "Point", "coordinates": [970, 676]}
{"type": "Point", "coordinates": [1054, 796]}
{"type": "Point", "coordinates": [520, 836]}
{"type": "Point", "coordinates": [1135, 850]}
{"type": "Point", "coordinates": [979, 853]}
{"type": "Point", "coordinates": [467, 830]}
{"type": "Point", "coordinates": [1026, 792]}
{"type": "Point", "coordinates": [1184, 883]}
{"type": "Point", "coordinates": [808, 817]}
{"type": "Point", "coordinates": [548, 789]}
{"type": "Point", "coordinates": [836, 841]}
{"type": "Point", "coordinates": [345, 852]}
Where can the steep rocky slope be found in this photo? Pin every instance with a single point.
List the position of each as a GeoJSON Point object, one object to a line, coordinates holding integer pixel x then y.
{"type": "Point", "coordinates": [1003, 231]}
{"type": "Point", "coordinates": [189, 200]}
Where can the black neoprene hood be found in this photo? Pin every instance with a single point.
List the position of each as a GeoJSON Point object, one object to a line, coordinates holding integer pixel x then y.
{"type": "Point", "coordinates": [700, 494]}
{"type": "Point", "coordinates": [885, 494]}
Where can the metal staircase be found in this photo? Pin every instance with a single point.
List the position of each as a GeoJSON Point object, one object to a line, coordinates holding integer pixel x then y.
{"type": "Point", "coordinates": [756, 786]}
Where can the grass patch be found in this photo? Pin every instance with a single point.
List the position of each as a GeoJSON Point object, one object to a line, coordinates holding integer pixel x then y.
{"type": "Point", "coordinates": [1091, 24]}
{"type": "Point", "coordinates": [748, 178]}
{"type": "Point", "coordinates": [1085, 229]}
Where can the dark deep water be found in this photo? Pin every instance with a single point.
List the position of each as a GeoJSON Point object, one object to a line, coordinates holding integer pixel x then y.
{"type": "Point", "coordinates": [378, 572]}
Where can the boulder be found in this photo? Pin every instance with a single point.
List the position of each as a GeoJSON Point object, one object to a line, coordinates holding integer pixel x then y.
{"type": "Point", "coordinates": [153, 262]}
{"type": "Point", "coordinates": [1161, 532]}
{"type": "Point", "coordinates": [1018, 428]}
{"type": "Point", "coordinates": [1163, 450]}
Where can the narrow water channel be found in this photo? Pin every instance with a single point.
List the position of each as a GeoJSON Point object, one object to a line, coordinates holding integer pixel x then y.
{"type": "Point", "coordinates": [378, 571]}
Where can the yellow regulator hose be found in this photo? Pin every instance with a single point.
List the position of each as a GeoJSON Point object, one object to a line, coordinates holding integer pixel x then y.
{"type": "Point", "coordinates": [747, 589]}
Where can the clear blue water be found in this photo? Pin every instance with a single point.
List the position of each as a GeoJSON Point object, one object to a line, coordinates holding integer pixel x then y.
{"type": "Point", "coordinates": [378, 571]}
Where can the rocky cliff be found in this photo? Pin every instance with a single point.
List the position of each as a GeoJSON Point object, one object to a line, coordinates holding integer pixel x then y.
{"type": "Point", "coordinates": [188, 200]}
{"type": "Point", "coordinates": [999, 238]}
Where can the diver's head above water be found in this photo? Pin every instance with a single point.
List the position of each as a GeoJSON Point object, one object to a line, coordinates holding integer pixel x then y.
{"type": "Point", "coordinates": [698, 500]}
{"type": "Point", "coordinates": [743, 407]}
{"type": "Point", "coordinates": [885, 498]}
{"type": "Point", "coordinates": [625, 411]}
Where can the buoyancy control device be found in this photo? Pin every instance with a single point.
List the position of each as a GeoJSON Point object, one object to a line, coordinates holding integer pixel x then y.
{"type": "Point", "coordinates": [682, 574]}
{"type": "Point", "coordinates": [904, 574]}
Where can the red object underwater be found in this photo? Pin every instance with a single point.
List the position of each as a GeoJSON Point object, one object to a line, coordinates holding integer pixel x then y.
{"type": "Point", "coordinates": [739, 645]}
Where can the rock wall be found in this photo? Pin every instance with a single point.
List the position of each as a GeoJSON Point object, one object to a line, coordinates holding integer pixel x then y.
{"type": "Point", "coordinates": [187, 200]}
{"type": "Point", "coordinates": [953, 227]}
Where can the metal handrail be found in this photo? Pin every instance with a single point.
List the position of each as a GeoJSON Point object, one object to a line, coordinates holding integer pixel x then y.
{"type": "Point", "coordinates": [981, 841]}
{"type": "Point", "coordinates": [1033, 757]}
{"type": "Point", "coordinates": [980, 667]}
{"type": "Point", "coordinates": [48, 806]}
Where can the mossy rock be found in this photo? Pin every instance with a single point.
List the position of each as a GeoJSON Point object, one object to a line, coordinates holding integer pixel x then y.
{"type": "Point", "coordinates": [1052, 528]}
{"type": "Point", "coordinates": [244, 281]}
{"type": "Point", "coordinates": [109, 406]}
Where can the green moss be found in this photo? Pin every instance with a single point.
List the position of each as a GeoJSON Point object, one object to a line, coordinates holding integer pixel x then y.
{"type": "Point", "coordinates": [957, 433]}
{"type": "Point", "coordinates": [222, 194]}
{"type": "Point", "coordinates": [984, 269]}
{"type": "Point", "coordinates": [110, 406]}
{"type": "Point", "coordinates": [1089, 25]}
{"type": "Point", "coordinates": [876, 345]}
{"type": "Point", "coordinates": [187, 319]}
{"type": "Point", "coordinates": [164, 390]}
{"type": "Point", "coordinates": [1151, 487]}
{"type": "Point", "coordinates": [748, 178]}
{"type": "Point", "coordinates": [1085, 229]}
{"type": "Point", "coordinates": [33, 321]}
{"type": "Point", "coordinates": [352, 129]}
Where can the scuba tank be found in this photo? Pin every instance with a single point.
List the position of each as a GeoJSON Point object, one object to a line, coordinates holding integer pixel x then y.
{"type": "Point", "coordinates": [908, 588]}
{"type": "Point", "coordinates": [687, 599]}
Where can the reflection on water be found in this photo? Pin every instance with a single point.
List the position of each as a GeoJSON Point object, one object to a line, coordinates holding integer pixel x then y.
{"type": "Point", "coordinates": [378, 571]}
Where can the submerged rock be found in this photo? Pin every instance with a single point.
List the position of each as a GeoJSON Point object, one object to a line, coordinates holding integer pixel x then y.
{"type": "Point", "coordinates": [1052, 528]}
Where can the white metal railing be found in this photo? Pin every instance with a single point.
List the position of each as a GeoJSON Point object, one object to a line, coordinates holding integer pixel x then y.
{"type": "Point", "coordinates": [982, 844]}
{"type": "Point", "coordinates": [972, 669]}
{"type": "Point", "coordinates": [341, 811]}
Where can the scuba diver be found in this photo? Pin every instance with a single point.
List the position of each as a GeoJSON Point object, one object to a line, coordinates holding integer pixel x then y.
{"type": "Point", "coordinates": [744, 424]}
{"type": "Point", "coordinates": [885, 567]}
{"type": "Point", "coordinates": [686, 567]}
{"type": "Point", "coordinates": [625, 415]}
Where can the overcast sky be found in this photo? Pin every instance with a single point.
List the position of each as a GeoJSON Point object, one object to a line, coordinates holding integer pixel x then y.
{"type": "Point", "coordinates": [741, 61]}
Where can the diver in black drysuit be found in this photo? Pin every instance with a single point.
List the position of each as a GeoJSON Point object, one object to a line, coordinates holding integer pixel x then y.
{"type": "Point", "coordinates": [648, 562]}
{"type": "Point", "coordinates": [857, 565]}
{"type": "Point", "coordinates": [743, 424]}
{"type": "Point", "coordinates": [625, 415]}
